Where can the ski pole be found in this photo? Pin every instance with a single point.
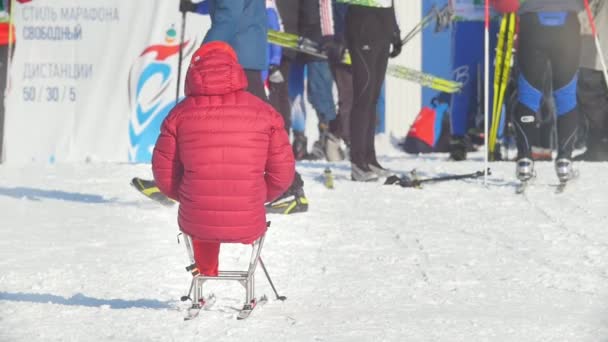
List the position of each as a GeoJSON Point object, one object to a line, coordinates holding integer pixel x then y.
{"type": "Point", "coordinates": [597, 40]}
{"type": "Point", "coordinates": [181, 55]}
{"type": "Point", "coordinates": [270, 281]}
{"type": "Point", "coordinates": [486, 87]}
{"type": "Point", "coordinates": [420, 26]}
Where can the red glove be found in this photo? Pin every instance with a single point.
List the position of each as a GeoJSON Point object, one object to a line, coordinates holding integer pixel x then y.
{"type": "Point", "coordinates": [23, 1]}
{"type": "Point", "coordinates": [505, 6]}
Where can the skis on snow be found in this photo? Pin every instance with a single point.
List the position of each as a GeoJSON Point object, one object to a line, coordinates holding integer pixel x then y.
{"type": "Point", "coordinates": [248, 308]}
{"type": "Point", "coordinates": [412, 181]}
{"type": "Point", "coordinates": [149, 189]}
{"type": "Point", "coordinates": [242, 314]}
{"type": "Point", "coordinates": [196, 308]}
{"type": "Point", "coordinates": [521, 187]}
{"type": "Point", "coordinates": [561, 187]}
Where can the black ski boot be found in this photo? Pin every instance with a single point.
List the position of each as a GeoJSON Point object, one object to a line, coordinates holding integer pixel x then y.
{"type": "Point", "coordinates": [458, 148]}
{"type": "Point", "coordinates": [299, 146]}
{"type": "Point", "coordinates": [292, 201]}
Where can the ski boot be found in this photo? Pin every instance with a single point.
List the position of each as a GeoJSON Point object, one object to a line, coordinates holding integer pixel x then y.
{"type": "Point", "coordinates": [299, 145]}
{"type": "Point", "coordinates": [563, 168]}
{"type": "Point", "coordinates": [359, 174]}
{"type": "Point", "coordinates": [379, 170]}
{"type": "Point", "coordinates": [458, 148]}
{"type": "Point", "coordinates": [318, 150]}
{"type": "Point", "coordinates": [525, 169]}
{"type": "Point", "coordinates": [292, 201]}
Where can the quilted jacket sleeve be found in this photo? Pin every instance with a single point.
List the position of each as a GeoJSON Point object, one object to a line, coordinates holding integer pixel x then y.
{"type": "Point", "coordinates": [280, 165]}
{"type": "Point", "coordinates": [166, 165]}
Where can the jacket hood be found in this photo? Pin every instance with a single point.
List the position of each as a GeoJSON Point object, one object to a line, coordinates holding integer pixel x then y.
{"type": "Point", "coordinates": [214, 70]}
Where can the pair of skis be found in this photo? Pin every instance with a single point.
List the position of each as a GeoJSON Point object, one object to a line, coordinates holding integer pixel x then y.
{"type": "Point", "coordinates": [413, 181]}
{"type": "Point", "coordinates": [310, 47]}
{"type": "Point", "coordinates": [208, 302]}
{"type": "Point", "coordinates": [559, 188]}
{"type": "Point", "coordinates": [502, 72]}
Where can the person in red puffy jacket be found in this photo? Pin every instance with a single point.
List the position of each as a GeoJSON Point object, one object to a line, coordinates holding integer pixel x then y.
{"type": "Point", "coordinates": [222, 153]}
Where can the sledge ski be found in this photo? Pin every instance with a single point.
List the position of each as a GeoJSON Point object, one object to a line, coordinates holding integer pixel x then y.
{"type": "Point", "coordinates": [149, 189]}
{"type": "Point", "coordinates": [196, 308]}
{"type": "Point", "coordinates": [308, 46]}
{"type": "Point", "coordinates": [414, 182]}
{"type": "Point", "coordinates": [248, 308]}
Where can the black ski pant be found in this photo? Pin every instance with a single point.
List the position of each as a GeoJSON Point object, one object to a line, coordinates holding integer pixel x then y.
{"type": "Point", "coordinates": [593, 105]}
{"type": "Point", "coordinates": [343, 76]}
{"type": "Point", "coordinates": [4, 62]}
{"type": "Point", "coordinates": [255, 83]}
{"type": "Point", "coordinates": [279, 94]}
{"type": "Point", "coordinates": [550, 38]}
{"type": "Point", "coordinates": [368, 37]}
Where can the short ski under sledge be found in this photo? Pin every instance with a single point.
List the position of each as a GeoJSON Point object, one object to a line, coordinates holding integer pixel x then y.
{"type": "Point", "coordinates": [196, 308]}
{"type": "Point", "coordinates": [248, 308]}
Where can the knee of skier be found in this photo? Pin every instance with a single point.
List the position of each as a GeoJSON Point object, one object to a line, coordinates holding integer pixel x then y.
{"type": "Point", "coordinates": [565, 97]}
{"type": "Point", "coordinates": [528, 95]}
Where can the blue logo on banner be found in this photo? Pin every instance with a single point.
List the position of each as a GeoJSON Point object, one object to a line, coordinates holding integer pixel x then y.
{"type": "Point", "coordinates": [152, 94]}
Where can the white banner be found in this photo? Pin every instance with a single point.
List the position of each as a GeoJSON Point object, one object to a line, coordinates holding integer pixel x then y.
{"type": "Point", "coordinates": [93, 80]}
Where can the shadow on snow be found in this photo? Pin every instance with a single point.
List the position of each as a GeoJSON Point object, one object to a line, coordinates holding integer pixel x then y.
{"type": "Point", "coordinates": [81, 300]}
{"type": "Point", "coordinates": [34, 194]}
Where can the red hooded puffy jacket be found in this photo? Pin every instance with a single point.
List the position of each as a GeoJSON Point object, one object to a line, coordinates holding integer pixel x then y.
{"type": "Point", "coordinates": [222, 152]}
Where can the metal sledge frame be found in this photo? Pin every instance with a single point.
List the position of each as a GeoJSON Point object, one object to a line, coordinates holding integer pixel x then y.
{"type": "Point", "coordinates": [245, 278]}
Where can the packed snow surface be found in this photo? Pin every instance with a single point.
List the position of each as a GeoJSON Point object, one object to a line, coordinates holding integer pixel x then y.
{"type": "Point", "coordinates": [84, 257]}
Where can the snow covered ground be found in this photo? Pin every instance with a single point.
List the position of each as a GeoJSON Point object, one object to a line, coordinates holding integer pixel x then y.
{"type": "Point", "coordinates": [83, 257]}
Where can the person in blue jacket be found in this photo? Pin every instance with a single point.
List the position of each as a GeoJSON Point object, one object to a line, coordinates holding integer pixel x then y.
{"type": "Point", "coordinates": [243, 25]}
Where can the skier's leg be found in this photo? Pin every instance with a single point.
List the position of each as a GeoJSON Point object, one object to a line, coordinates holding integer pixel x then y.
{"type": "Point", "coordinates": [565, 59]}
{"type": "Point", "coordinates": [380, 63]}
{"type": "Point", "coordinates": [319, 86]}
{"type": "Point", "coordinates": [320, 95]}
{"type": "Point", "coordinates": [255, 83]}
{"type": "Point", "coordinates": [206, 255]}
{"type": "Point", "coordinates": [359, 45]}
{"type": "Point", "coordinates": [593, 104]}
{"type": "Point", "coordinates": [4, 51]}
{"type": "Point", "coordinates": [298, 109]}
{"type": "Point", "coordinates": [368, 36]}
{"type": "Point", "coordinates": [532, 61]}
{"type": "Point", "coordinates": [344, 82]}
{"type": "Point", "coordinates": [279, 95]}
